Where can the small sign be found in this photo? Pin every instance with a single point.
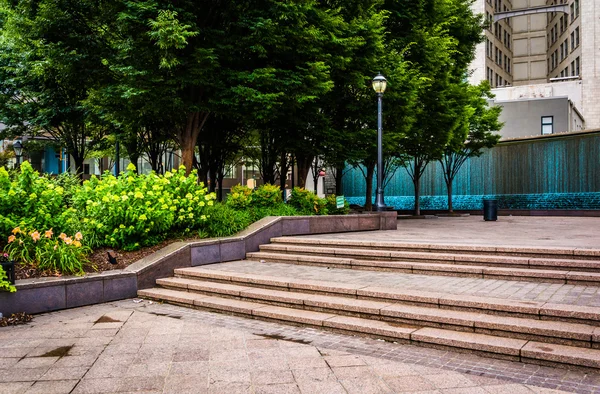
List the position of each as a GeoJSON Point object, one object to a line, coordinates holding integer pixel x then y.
{"type": "Point", "coordinates": [339, 201]}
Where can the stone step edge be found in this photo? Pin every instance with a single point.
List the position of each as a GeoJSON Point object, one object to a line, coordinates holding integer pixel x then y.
{"type": "Point", "coordinates": [514, 349]}
{"type": "Point", "coordinates": [436, 247]}
{"type": "Point", "coordinates": [533, 262]}
{"type": "Point", "coordinates": [555, 332]}
{"type": "Point", "coordinates": [542, 310]}
{"type": "Point", "coordinates": [476, 271]}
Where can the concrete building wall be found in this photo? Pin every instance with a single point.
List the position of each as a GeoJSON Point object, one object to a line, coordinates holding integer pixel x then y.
{"type": "Point", "coordinates": [590, 61]}
{"type": "Point", "coordinates": [523, 118]}
{"type": "Point", "coordinates": [529, 43]}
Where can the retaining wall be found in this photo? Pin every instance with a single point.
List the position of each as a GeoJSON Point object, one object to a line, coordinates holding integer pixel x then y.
{"type": "Point", "coordinates": [50, 294]}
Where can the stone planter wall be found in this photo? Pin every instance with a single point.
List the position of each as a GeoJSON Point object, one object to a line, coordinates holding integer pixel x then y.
{"type": "Point", "coordinates": [50, 294]}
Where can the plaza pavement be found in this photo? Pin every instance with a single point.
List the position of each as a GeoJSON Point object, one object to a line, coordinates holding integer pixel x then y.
{"type": "Point", "coordinates": [143, 346]}
{"type": "Point", "coordinates": [129, 346]}
{"type": "Point", "coordinates": [525, 231]}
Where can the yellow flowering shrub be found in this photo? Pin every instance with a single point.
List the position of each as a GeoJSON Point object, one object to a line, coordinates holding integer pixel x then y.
{"type": "Point", "coordinates": [136, 210]}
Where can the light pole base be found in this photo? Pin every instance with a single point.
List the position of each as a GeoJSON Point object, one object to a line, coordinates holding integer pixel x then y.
{"type": "Point", "coordinates": [381, 207]}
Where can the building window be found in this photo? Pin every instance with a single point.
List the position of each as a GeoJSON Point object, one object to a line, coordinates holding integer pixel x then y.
{"type": "Point", "coordinates": [572, 12]}
{"type": "Point", "coordinates": [572, 41]}
{"type": "Point", "coordinates": [576, 37]}
{"type": "Point", "coordinates": [573, 68]}
{"type": "Point", "coordinates": [576, 8]}
{"type": "Point", "coordinates": [547, 125]}
{"type": "Point", "coordinates": [577, 65]}
{"type": "Point", "coordinates": [230, 172]}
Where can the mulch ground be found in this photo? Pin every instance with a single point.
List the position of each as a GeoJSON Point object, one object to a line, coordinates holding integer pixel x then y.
{"type": "Point", "coordinates": [98, 261]}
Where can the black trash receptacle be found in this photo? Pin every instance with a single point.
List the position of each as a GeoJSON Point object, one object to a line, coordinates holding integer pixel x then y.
{"type": "Point", "coordinates": [490, 210]}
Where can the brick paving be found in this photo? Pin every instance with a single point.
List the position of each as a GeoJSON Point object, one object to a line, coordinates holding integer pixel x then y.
{"type": "Point", "coordinates": [129, 346]}
{"type": "Point", "coordinates": [515, 290]}
{"type": "Point", "coordinates": [526, 231]}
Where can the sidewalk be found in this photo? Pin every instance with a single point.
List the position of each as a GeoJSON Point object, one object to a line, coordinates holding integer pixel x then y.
{"type": "Point", "coordinates": [127, 346]}
{"type": "Point", "coordinates": [527, 231]}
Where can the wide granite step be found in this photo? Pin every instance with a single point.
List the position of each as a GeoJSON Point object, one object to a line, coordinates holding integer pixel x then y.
{"type": "Point", "coordinates": [231, 283]}
{"type": "Point", "coordinates": [487, 345]}
{"type": "Point", "coordinates": [545, 252]}
{"type": "Point", "coordinates": [454, 258]}
{"type": "Point", "coordinates": [423, 267]}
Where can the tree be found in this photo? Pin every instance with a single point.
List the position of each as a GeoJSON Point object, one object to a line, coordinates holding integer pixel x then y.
{"type": "Point", "coordinates": [51, 56]}
{"type": "Point", "coordinates": [439, 38]}
{"type": "Point", "coordinates": [480, 123]}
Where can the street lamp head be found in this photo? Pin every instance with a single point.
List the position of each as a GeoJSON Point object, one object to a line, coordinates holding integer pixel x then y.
{"type": "Point", "coordinates": [379, 84]}
{"type": "Point", "coordinates": [18, 148]}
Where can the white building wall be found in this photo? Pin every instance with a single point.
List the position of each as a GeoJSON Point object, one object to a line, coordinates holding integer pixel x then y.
{"type": "Point", "coordinates": [590, 62]}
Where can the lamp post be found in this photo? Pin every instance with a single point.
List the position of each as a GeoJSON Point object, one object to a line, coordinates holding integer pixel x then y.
{"type": "Point", "coordinates": [18, 148]}
{"type": "Point", "coordinates": [379, 85]}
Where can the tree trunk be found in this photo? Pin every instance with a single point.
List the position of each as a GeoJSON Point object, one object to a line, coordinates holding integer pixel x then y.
{"type": "Point", "coordinates": [284, 165]}
{"type": "Point", "coordinates": [449, 187]}
{"type": "Point", "coordinates": [188, 136]}
{"type": "Point", "coordinates": [369, 193]}
{"type": "Point", "coordinates": [303, 164]}
{"type": "Point", "coordinates": [417, 184]}
{"type": "Point", "coordinates": [79, 166]}
{"type": "Point", "coordinates": [339, 177]}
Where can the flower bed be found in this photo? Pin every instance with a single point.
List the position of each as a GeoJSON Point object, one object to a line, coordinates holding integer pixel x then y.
{"type": "Point", "coordinates": [51, 226]}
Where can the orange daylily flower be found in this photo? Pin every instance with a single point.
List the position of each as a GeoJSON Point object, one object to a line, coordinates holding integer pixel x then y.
{"type": "Point", "coordinates": [36, 236]}
{"type": "Point", "coordinates": [48, 234]}
{"type": "Point", "coordinates": [11, 238]}
{"type": "Point", "coordinates": [78, 236]}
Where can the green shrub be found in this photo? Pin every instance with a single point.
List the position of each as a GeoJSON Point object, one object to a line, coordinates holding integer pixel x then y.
{"type": "Point", "coordinates": [281, 209]}
{"type": "Point", "coordinates": [240, 197]}
{"type": "Point", "coordinates": [29, 200]}
{"type": "Point", "coordinates": [332, 208]}
{"type": "Point", "coordinates": [266, 196]}
{"type": "Point", "coordinates": [135, 210]}
{"type": "Point", "coordinates": [223, 221]}
{"type": "Point", "coordinates": [307, 203]}
{"type": "Point", "coordinates": [5, 285]}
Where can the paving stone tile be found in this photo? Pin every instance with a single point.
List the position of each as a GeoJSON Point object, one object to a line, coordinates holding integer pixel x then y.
{"type": "Point", "coordinates": [272, 377]}
{"type": "Point", "coordinates": [148, 383]}
{"type": "Point", "coordinates": [186, 384]}
{"type": "Point", "coordinates": [353, 372]}
{"type": "Point", "coordinates": [373, 327]}
{"type": "Point", "coordinates": [465, 390]}
{"type": "Point", "coordinates": [507, 389]}
{"type": "Point", "coordinates": [294, 315]}
{"type": "Point", "coordinates": [344, 361]}
{"type": "Point", "coordinates": [148, 370]}
{"type": "Point", "coordinates": [15, 387]}
{"type": "Point", "coordinates": [64, 373]}
{"type": "Point", "coordinates": [409, 384]}
{"type": "Point", "coordinates": [229, 375]}
{"type": "Point", "coordinates": [52, 387]}
{"type": "Point", "coordinates": [365, 386]}
{"type": "Point", "coordinates": [22, 374]}
{"type": "Point", "coordinates": [306, 362]}
{"type": "Point", "coordinates": [288, 388]}
{"type": "Point", "coordinates": [229, 388]}
{"type": "Point", "coordinates": [102, 385]}
{"type": "Point", "coordinates": [449, 380]}
{"type": "Point", "coordinates": [324, 386]}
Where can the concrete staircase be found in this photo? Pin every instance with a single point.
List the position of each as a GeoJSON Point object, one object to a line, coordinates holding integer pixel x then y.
{"type": "Point", "coordinates": [528, 331]}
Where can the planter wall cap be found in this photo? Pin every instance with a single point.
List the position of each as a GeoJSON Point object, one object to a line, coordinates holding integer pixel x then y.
{"type": "Point", "coordinates": [156, 257]}
{"type": "Point", "coordinates": [33, 283]}
{"type": "Point", "coordinates": [214, 241]}
{"type": "Point", "coordinates": [259, 225]}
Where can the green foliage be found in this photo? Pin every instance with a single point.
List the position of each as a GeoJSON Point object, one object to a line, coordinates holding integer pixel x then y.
{"type": "Point", "coordinates": [266, 196]}
{"type": "Point", "coordinates": [135, 210]}
{"type": "Point", "coordinates": [332, 208]}
{"type": "Point", "coordinates": [307, 203]}
{"type": "Point", "coordinates": [62, 254]}
{"type": "Point", "coordinates": [225, 221]}
{"type": "Point", "coordinates": [5, 285]}
{"type": "Point", "coordinates": [28, 200]}
{"type": "Point", "coordinates": [240, 197]}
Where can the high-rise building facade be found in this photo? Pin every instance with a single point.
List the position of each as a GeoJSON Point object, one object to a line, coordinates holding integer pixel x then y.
{"type": "Point", "coordinates": [537, 49]}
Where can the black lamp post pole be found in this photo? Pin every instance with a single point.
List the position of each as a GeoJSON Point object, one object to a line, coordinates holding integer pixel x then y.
{"type": "Point", "coordinates": [379, 203]}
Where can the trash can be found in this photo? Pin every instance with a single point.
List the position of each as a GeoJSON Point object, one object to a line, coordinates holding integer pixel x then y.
{"type": "Point", "coordinates": [490, 210]}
